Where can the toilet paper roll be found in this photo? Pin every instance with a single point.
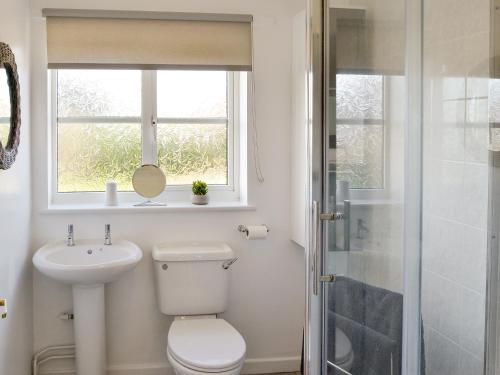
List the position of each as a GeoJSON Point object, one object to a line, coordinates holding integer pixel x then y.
{"type": "Point", "coordinates": [256, 232]}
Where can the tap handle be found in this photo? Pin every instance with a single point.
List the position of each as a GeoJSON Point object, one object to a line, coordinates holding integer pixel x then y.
{"type": "Point", "coordinates": [70, 228]}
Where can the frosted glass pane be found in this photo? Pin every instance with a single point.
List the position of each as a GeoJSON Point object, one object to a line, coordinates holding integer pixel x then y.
{"type": "Point", "coordinates": [90, 154]}
{"type": "Point", "coordinates": [359, 97]}
{"type": "Point", "coordinates": [192, 94]}
{"type": "Point", "coordinates": [188, 152]}
{"type": "Point", "coordinates": [4, 107]}
{"type": "Point", "coordinates": [360, 155]}
{"type": "Point", "coordinates": [88, 93]}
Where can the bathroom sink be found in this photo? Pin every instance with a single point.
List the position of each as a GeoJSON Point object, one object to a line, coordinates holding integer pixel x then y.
{"type": "Point", "coordinates": [88, 266]}
{"type": "Point", "coordinates": [87, 262]}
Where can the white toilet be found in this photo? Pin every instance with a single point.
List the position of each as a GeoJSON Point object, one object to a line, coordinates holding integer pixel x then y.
{"type": "Point", "coordinates": [192, 284]}
{"type": "Point", "coordinates": [344, 355]}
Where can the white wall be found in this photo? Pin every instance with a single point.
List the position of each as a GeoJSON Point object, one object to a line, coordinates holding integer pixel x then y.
{"type": "Point", "coordinates": [455, 195]}
{"type": "Point", "coordinates": [298, 131]}
{"type": "Point", "coordinates": [267, 283]}
{"type": "Point", "coordinates": [15, 202]}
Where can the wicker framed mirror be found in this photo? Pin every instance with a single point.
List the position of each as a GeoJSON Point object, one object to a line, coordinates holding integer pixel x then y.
{"type": "Point", "coordinates": [10, 118]}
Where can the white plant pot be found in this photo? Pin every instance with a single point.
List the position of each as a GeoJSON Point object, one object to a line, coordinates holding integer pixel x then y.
{"type": "Point", "coordinates": [199, 199]}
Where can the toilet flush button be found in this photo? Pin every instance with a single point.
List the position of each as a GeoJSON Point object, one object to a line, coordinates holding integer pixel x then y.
{"type": "Point", "coordinates": [3, 308]}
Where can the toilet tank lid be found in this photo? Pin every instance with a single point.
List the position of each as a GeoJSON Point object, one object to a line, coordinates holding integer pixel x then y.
{"type": "Point", "coordinates": [192, 251]}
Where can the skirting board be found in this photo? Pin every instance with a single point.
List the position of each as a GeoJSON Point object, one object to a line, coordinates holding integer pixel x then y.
{"type": "Point", "coordinates": [251, 366]}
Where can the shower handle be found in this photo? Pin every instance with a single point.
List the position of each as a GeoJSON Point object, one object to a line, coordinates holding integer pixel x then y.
{"type": "Point", "coordinates": [327, 278]}
{"type": "Point", "coordinates": [316, 235]}
{"type": "Point", "coordinates": [332, 216]}
{"type": "Point", "coordinates": [315, 246]}
{"type": "Point", "coordinates": [346, 217]}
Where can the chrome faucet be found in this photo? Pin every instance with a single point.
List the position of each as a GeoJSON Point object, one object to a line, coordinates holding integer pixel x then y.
{"type": "Point", "coordinates": [107, 234]}
{"type": "Point", "coordinates": [70, 239]}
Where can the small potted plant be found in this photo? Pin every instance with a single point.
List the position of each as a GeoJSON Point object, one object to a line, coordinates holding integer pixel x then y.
{"type": "Point", "coordinates": [200, 192]}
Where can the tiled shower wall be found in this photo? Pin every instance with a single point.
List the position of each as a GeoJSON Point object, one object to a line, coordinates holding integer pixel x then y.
{"type": "Point", "coordinates": [455, 195]}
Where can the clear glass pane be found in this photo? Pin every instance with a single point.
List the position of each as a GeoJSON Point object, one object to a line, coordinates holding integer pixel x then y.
{"type": "Point", "coordinates": [91, 154]}
{"type": "Point", "coordinates": [188, 152]}
{"type": "Point", "coordinates": [360, 97]}
{"type": "Point", "coordinates": [4, 107]}
{"type": "Point", "coordinates": [89, 93]}
{"type": "Point", "coordinates": [360, 155]}
{"type": "Point", "coordinates": [363, 309]}
{"type": "Point", "coordinates": [192, 94]}
{"type": "Point", "coordinates": [456, 180]}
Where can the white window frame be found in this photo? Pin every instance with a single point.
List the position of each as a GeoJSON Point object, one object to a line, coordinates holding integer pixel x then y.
{"type": "Point", "coordinates": [149, 121]}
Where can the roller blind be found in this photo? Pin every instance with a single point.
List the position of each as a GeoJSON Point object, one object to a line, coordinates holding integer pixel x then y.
{"type": "Point", "coordinates": [360, 44]}
{"type": "Point", "coordinates": [131, 40]}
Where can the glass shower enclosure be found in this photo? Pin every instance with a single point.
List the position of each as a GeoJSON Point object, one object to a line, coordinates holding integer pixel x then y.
{"type": "Point", "coordinates": [402, 252]}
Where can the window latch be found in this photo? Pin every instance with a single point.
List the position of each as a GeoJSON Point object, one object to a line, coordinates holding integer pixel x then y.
{"type": "Point", "coordinates": [154, 122]}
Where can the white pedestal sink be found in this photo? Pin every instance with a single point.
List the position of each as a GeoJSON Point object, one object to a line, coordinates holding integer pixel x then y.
{"type": "Point", "coordinates": [87, 266]}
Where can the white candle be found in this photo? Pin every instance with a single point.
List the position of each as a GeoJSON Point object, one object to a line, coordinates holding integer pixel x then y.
{"type": "Point", "coordinates": [111, 195]}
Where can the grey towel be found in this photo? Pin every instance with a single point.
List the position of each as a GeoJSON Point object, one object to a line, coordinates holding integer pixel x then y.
{"type": "Point", "coordinates": [374, 353]}
{"type": "Point", "coordinates": [372, 318]}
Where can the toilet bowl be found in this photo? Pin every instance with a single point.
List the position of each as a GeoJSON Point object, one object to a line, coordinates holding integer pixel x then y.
{"type": "Point", "coordinates": [201, 345]}
{"type": "Point", "coordinates": [192, 284]}
{"type": "Point", "coordinates": [344, 355]}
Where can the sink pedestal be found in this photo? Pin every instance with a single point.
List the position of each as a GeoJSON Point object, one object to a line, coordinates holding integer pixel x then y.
{"type": "Point", "coordinates": [90, 329]}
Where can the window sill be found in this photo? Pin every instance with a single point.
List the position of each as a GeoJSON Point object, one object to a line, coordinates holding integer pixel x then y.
{"type": "Point", "coordinates": [130, 208]}
{"type": "Point", "coordinates": [374, 202]}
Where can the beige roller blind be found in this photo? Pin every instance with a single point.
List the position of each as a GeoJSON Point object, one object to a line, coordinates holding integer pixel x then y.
{"type": "Point", "coordinates": [86, 41]}
{"type": "Point", "coordinates": [363, 44]}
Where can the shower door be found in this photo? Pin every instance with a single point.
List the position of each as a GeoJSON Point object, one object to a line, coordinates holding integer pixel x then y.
{"type": "Point", "coordinates": [358, 227]}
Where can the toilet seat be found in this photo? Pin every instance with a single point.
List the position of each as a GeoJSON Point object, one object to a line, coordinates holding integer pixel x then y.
{"type": "Point", "coordinates": [180, 369]}
{"type": "Point", "coordinates": [206, 345]}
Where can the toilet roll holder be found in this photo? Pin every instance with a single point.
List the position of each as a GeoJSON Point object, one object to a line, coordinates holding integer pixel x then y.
{"type": "Point", "coordinates": [243, 228]}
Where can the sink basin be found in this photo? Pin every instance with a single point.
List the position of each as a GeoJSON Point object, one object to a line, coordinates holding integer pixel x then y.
{"type": "Point", "coordinates": [88, 262]}
{"type": "Point", "coordinates": [87, 266]}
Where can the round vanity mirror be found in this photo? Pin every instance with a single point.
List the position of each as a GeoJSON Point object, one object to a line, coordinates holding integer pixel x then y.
{"type": "Point", "coordinates": [10, 110]}
{"type": "Point", "coordinates": [4, 107]}
{"type": "Point", "coordinates": [149, 181]}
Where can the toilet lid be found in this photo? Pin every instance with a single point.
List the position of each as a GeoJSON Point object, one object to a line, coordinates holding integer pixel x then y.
{"type": "Point", "coordinates": [343, 347]}
{"type": "Point", "coordinates": [210, 344]}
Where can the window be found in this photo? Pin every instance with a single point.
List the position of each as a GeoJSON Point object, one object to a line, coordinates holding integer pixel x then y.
{"type": "Point", "coordinates": [98, 128]}
{"type": "Point", "coordinates": [109, 122]}
{"type": "Point", "coordinates": [360, 130]}
{"type": "Point", "coordinates": [193, 126]}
